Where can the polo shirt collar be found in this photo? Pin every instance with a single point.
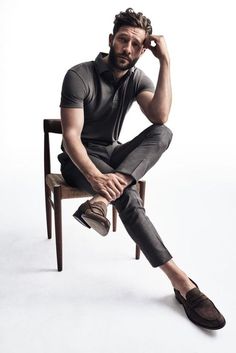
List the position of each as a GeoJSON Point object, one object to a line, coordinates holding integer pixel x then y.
{"type": "Point", "coordinates": [104, 69]}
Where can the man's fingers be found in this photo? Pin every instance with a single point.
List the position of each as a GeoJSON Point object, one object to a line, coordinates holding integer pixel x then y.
{"type": "Point", "coordinates": [119, 186]}
{"type": "Point", "coordinates": [151, 42]}
{"type": "Point", "coordinates": [117, 182]}
{"type": "Point", "coordinates": [116, 187]}
{"type": "Point", "coordinates": [109, 194]}
{"type": "Point", "coordinates": [106, 194]}
{"type": "Point", "coordinates": [113, 192]}
{"type": "Point", "coordinates": [111, 187]}
{"type": "Point", "coordinates": [154, 38]}
{"type": "Point", "coordinates": [120, 179]}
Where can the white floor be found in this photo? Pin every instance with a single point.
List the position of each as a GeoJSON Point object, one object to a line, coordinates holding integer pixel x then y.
{"type": "Point", "coordinates": [104, 301]}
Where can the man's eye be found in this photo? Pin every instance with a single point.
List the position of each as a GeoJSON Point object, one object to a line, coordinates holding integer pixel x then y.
{"type": "Point", "coordinates": [136, 45]}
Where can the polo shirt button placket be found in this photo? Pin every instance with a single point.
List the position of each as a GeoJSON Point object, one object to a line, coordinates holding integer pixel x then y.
{"type": "Point", "coordinates": [115, 100]}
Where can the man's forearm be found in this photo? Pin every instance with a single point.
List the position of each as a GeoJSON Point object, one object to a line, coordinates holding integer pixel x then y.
{"type": "Point", "coordinates": [109, 185]}
{"type": "Point", "coordinates": [78, 154]}
{"type": "Point", "coordinates": [160, 105]}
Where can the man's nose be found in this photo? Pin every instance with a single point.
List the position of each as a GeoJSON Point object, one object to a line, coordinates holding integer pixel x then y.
{"type": "Point", "coordinates": [127, 48]}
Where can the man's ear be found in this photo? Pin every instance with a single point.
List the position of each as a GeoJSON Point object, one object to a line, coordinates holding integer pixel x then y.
{"type": "Point", "coordinates": [110, 39]}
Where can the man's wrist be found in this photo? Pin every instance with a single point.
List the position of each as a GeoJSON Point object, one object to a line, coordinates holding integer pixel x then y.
{"type": "Point", "coordinates": [93, 175]}
{"type": "Point", "coordinates": [164, 61]}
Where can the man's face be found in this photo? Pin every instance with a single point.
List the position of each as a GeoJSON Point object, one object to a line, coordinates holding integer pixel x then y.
{"type": "Point", "coordinates": [126, 47]}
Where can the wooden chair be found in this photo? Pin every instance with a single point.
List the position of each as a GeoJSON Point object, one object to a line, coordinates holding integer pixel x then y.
{"type": "Point", "coordinates": [55, 185]}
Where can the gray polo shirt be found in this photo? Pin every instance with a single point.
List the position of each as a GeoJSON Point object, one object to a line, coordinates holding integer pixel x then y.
{"type": "Point", "coordinates": [105, 101]}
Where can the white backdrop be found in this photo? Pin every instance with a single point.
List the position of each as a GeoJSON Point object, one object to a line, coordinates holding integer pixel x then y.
{"type": "Point", "coordinates": [193, 189]}
{"type": "Point", "coordinates": [40, 40]}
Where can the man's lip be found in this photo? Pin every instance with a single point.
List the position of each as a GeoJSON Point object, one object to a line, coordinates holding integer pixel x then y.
{"type": "Point", "coordinates": [123, 57]}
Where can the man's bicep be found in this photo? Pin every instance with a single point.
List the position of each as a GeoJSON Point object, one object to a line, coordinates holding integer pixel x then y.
{"type": "Point", "coordinates": [144, 98]}
{"type": "Point", "coordinates": [74, 91]}
{"type": "Point", "coordinates": [72, 120]}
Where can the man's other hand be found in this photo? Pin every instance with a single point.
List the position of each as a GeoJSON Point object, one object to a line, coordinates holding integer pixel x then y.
{"type": "Point", "coordinates": [110, 185]}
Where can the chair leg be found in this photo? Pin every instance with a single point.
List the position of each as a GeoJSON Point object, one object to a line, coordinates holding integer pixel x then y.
{"type": "Point", "coordinates": [137, 252]}
{"type": "Point", "coordinates": [114, 218]}
{"type": "Point", "coordinates": [58, 225]}
{"type": "Point", "coordinates": [141, 188]}
{"type": "Point", "coordinates": [48, 211]}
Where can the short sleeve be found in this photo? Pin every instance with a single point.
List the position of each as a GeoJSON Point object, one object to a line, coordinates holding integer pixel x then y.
{"type": "Point", "coordinates": [144, 83]}
{"type": "Point", "coordinates": [73, 91]}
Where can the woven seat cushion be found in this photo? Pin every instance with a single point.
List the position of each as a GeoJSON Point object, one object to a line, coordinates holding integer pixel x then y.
{"type": "Point", "coordinates": [67, 191]}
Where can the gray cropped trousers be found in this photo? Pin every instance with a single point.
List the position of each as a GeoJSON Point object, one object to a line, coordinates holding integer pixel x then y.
{"type": "Point", "coordinates": [134, 158]}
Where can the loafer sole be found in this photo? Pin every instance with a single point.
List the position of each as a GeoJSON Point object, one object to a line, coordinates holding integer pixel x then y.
{"type": "Point", "coordinates": [98, 226]}
{"type": "Point", "coordinates": [77, 216]}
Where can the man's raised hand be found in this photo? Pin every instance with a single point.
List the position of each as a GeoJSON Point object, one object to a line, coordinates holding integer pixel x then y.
{"type": "Point", "coordinates": [158, 47]}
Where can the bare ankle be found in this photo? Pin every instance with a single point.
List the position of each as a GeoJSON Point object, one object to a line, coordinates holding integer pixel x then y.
{"type": "Point", "coordinates": [99, 198]}
{"type": "Point", "coordinates": [174, 273]}
{"type": "Point", "coordinates": [178, 278]}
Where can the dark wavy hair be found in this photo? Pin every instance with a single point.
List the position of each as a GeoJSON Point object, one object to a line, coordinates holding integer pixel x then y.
{"type": "Point", "coordinates": [133, 19]}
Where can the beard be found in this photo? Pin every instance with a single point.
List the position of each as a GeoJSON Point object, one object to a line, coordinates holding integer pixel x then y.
{"type": "Point", "coordinates": [120, 61]}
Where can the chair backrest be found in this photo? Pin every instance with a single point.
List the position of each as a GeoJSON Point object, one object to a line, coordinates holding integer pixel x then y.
{"type": "Point", "coordinates": [52, 125]}
{"type": "Point", "coordinates": [49, 126]}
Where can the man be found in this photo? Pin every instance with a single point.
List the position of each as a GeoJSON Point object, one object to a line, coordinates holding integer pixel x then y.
{"type": "Point", "coordinates": [95, 98]}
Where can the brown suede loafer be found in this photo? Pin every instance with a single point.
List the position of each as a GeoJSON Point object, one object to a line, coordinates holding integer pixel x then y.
{"type": "Point", "coordinates": [200, 309]}
{"type": "Point", "coordinates": [93, 215]}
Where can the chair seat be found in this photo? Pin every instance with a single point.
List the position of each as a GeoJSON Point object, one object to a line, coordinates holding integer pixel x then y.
{"type": "Point", "coordinates": [57, 189]}
{"type": "Point", "coordinates": [67, 191]}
